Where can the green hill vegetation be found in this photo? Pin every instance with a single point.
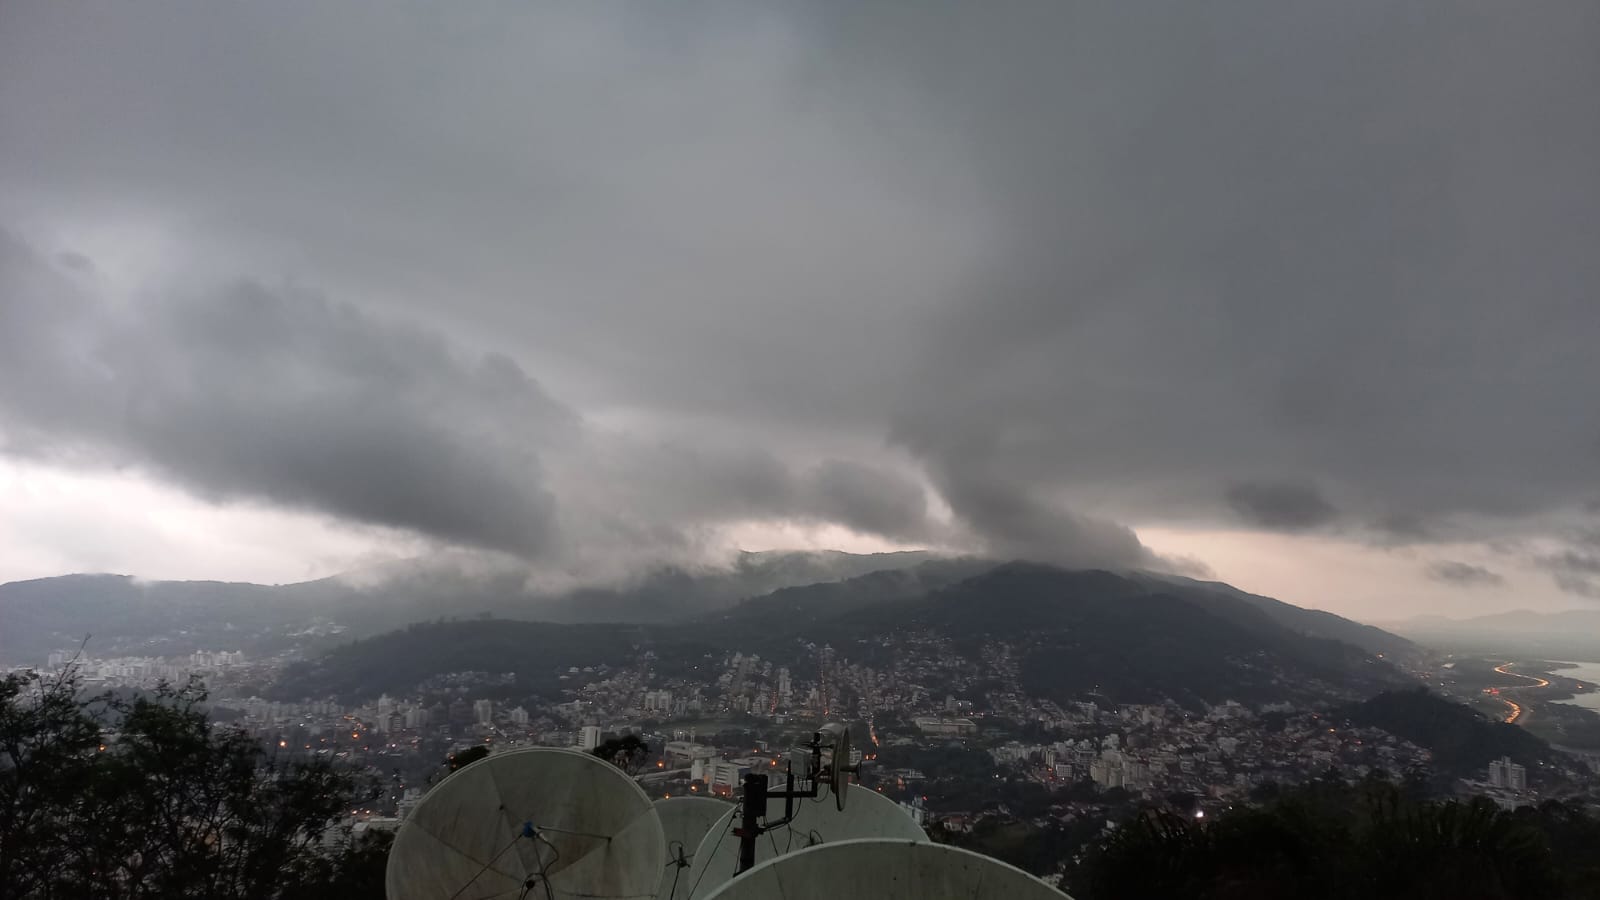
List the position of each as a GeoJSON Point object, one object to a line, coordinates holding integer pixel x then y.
{"type": "Point", "coordinates": [1462, 741]}
{"type": "Point", "coordinates": [1127, 638]}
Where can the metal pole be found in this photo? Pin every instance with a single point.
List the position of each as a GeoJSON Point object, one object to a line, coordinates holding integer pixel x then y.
{"type": "Point", "coordinates": [755, 809]}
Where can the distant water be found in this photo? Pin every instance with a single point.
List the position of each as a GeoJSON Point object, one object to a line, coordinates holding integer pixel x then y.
{"type": "Point", "coordinates": [1587, 672]}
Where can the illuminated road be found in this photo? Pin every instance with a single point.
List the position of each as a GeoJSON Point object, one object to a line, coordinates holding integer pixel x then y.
{"type": "Point", "coordinates": [1516, 710]}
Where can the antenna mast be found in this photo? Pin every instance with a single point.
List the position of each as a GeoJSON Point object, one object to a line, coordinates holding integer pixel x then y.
{"type": "Point", "coordinates": [836, 773]}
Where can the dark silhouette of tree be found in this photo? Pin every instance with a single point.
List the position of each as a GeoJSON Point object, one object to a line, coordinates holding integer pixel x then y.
{"type": "Point", "coordinates": [627, 753]}
{"type": "Point", "coordinates": [467, 757]}
{"type": "Point", "coordinates": [144, 798]}
{"type": "Point", "coordinates": [1332, 842]}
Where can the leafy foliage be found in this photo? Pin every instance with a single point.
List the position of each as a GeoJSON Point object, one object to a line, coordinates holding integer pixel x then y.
{"type": "Point", "coordinates": [1462, 741]}
{"type": "Point", "coordinates": [1326, 841]}
{"type": "Point", "coordinates": [627, 752]}
{"type": "Point", "coordinates": [467, 757]}
{"type": "Point", "coordinates": [164, 805]}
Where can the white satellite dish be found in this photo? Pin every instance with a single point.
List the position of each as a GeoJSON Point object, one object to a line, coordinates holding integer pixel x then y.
{"type": "Point", "coordinates": [873, 869]}
{"type": "Point", "coordinates": [867, 815]}
{"type": "Point", "coordinates": [684, 823]}
{"type": "Point", "coordinates": [543, 823]}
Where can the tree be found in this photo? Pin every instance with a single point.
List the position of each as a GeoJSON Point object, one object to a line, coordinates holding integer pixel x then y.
{"type": "Point", "coordinates": [1330, 841]}
{"type": "Point", "coordinates": [113, 798]}
{"type": "Point", "coordinates": [467, 757]}
{"type": "Point", "coordinates": [627, 753]}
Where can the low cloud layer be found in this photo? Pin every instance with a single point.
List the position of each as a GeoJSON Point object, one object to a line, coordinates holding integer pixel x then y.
{"type": "Point", "coordinates": [283, 396]}
{"type": "Point", "coordinates": [1464, 574]}
{"type": "Point", "coordinates": [1575, 571]}
{"type": "Point", "coordinates": [1280, 506]}
{"type": "Point", "coordinates": [278, 395]}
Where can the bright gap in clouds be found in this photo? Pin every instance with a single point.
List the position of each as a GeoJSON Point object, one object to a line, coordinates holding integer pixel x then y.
{"type": "Point", "coordinates": [758, 536]}
{"type": "Point", "coordinates": [123, 523]}
{"type": "Point", "coordinates": [60, 521]}
{"type": "Point", "coordinates": [1362, 581]}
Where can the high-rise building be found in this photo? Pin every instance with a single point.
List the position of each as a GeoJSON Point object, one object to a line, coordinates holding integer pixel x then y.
{"type": "Point", "coordinates": [1107, 772]}
{"type": "Point", "coordinates": [519, 716]}
{"type": "Point", "coordinates": [589, 737]}
{"type": "Point", "coordinates": [1503, 773]}
{"type": "Point", "coordinates": [1136, 774]}
{"type": "Point", "coordinates": [723, 777]}
{"type": "Point", "coordinates": [483, 711]}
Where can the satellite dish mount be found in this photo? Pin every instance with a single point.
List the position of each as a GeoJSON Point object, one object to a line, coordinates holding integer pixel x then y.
{"type": "Point", "coordinates": [828, 763]}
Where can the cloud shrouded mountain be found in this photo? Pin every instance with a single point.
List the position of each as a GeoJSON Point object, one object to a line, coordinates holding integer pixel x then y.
{"type": "Point", "coordinates": [560, 281]}
{"type": "Point", "coordinates": [116, 614]}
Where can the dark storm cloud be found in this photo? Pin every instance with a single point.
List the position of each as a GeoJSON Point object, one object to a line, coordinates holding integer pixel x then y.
{"type": "Point", "coordinates": [1574, 571]}
{"type": "Point", "coordinates": [1343, 241]}
{"type": "Point", "coordinates": [1403, 528]}
{"type": "Point", "coordinates": [76, 261]}
{"type": "Point", "coordinates": [1463, 574]}
{"type": "Point", "coordinates": [1012, 521]}
{"type": "Point", "coordinates": [869, 499]}
{"type": "Point", "coordinates": [1083, 264]}
{"type": "Point", "coordinates": [1008, 517]}
{"type": "Point", "coordinates": [1280, 505]}
{"type": "Point", "coordinates": [279, 395]}
{"type": "Point", "coordinates": [284, 396]}
{"type": "Point", "coordinates": [624, 488]}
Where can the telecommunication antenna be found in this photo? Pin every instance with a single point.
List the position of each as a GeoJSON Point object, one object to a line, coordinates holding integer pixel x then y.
{"type": "Point", "coordinates": [829, 765]}
{"type": "Point", "coordinates": [868, 814]}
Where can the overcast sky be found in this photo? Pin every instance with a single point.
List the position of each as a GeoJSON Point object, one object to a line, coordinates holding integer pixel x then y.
{"type": "Point", "coordinates": [1302, 295]}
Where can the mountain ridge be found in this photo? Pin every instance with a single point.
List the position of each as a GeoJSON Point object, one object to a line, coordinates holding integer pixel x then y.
{"type": "Point", "coordinates": [1074, 630]}
{"type": "Point", "coordinates": [1569, 634]}
{"type": "Point", "coordinates": [126, 615]}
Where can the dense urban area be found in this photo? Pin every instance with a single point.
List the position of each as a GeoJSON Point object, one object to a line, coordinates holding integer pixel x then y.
{"type": "Point", "coordinates": [966, 752]}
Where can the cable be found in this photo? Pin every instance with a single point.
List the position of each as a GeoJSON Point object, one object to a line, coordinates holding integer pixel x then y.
{"type": "Point", "coordinates": [793, 818]}
{"type": "Point", "coordinates": [678, 859]}
{"type": "Point", "coordinates": [544, 867]}
{"type": "Point", "coordinates": [681, 862]}
{"type": "Point", "coordinates": [703, 869]}
{"type": "Point", "coordinates": [672, 892]}
{"type": "Point", "coordinates": [492, 860]}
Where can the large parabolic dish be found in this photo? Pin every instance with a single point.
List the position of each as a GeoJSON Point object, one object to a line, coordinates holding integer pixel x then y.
{"type": "Point", "coordinates": [872, 869]}
{"type": "Point", "coordinates": [867, 814]}
{"type": "Point", "coordinates": [510, 824]}
{"type": "Point", "coordinates": [684, 823]}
